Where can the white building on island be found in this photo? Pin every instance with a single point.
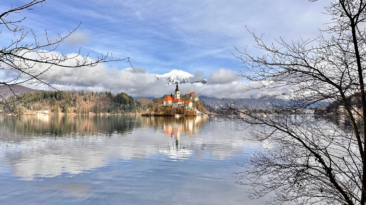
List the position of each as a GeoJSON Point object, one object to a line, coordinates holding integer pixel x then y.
{"type": "Point", "coordinates": [168, 101]}
{"type": "Point", "coordinates": [188, 105]}
{"type": "Point", "coordinates": [175, 101]}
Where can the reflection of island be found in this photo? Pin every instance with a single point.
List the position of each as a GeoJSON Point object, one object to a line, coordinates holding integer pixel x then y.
{"type": "Point", "coordinates": [174, 128]}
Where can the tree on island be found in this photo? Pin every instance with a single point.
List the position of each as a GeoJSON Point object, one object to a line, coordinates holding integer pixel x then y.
{"type": "Point", "coordinates": [21, 57]}
{"type": "Point", "coordinates": [311, 161]}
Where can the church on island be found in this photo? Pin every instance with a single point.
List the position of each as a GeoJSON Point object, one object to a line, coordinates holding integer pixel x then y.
{"type": "Point", "coordinates": [175, 105]}
{"type": "Point", "coordinates": [176, 102]}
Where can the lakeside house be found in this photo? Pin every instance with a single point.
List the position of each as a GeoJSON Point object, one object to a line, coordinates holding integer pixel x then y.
{"type": "Point", "coordinates": [42, 112]}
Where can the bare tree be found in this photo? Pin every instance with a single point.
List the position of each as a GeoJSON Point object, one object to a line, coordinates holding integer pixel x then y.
{"type": "Point", "coordinates": [22, 57]}
{"type": "Point", "coordinates": [311, 161]}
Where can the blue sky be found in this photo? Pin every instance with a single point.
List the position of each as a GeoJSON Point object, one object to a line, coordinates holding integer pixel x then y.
{"type": "Point", "coordinates": [163, 35]}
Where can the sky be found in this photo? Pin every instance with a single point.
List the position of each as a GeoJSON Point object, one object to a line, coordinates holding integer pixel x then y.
{"type": "Point", "coordinates": [161, 35]}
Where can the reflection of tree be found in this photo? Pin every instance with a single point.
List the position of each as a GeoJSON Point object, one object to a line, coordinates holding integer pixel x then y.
{"type": "Point", "coordinates": [69, 125]}
{"type": "Point", "coordinates": [340, 121]}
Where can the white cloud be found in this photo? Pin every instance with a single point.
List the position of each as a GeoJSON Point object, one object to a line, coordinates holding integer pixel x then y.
{"type": "Point", "coordinates": [222, 76]}
{"type": "Point", "coordinates": [79, 38]}
{"type": "Point", "coordinates": [198, 75]}
{"type": "Point", "coordinates": [137, 82]}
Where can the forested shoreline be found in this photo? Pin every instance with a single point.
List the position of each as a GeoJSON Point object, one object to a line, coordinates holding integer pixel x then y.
{"type": "Point", "coordinates": [75, 102]}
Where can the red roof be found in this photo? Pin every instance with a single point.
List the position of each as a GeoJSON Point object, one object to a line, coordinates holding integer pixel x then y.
{"type": "Point", "coordinates": [177, 100]}
{"type": "Point", "coordinates": [161, 102]}
{"type": "Point", "coordinates": [187, 102]}
{"type": "Point", "coordinates": [168, 98]}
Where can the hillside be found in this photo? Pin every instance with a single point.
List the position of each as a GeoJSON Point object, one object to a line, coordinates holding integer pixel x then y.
{"type": "Point", "coordinates": [354, 101]}
{"type": "Point", "coordinates": [5, 91]}
{"type": "Point", "coordinates": [80, 103]}
{"type": "Point", "coordinates": [144, 102]}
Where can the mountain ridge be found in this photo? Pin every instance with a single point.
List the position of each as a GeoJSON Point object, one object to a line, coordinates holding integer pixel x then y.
{"type": "Point", "coordinates": [5, 91]}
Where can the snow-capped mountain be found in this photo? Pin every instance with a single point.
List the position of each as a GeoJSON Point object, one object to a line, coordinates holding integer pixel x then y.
{"type": "Point", "coordinates": [179, 76]}
{"type": "Point", "coordinates": [176, 76]}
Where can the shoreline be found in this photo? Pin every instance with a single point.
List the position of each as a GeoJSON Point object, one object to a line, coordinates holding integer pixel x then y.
{"type": "Point", "coordinates": [74, 114]}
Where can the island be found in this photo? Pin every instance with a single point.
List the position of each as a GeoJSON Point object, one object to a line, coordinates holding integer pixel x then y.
{"type": "Point", "coordinates": [188, 105]}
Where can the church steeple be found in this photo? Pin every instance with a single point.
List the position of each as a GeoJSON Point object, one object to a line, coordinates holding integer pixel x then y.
{"type": "Point", "coordinates": [177, 93]}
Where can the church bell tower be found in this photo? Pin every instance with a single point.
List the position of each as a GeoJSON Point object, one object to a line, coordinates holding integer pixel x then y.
{"type": "Point", "coordinates": [177, 93]}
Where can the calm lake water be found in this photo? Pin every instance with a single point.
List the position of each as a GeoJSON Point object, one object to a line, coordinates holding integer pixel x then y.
{"type": "Point", "coordinates": [122, 160]}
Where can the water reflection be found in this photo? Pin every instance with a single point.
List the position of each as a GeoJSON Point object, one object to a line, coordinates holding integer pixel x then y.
{"type": "Point", "coordinates": [60, 125]}
{"type": "Point", "coordinates": [74, 159]}
{"type": "Point", "coordinates": [87, 143]}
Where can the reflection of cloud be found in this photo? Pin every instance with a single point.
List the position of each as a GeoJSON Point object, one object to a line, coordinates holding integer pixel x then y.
{"type": "Point", "coordinates": [47, 157]}
{"type": "Point", "coordinates": [174, 153]}
{"type": "Point", "coordinates": [80, 190]}
{"type": "Point", "coordinates": [50, 158]}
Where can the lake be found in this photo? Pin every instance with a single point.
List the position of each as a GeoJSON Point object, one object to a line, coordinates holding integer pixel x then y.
{"type": "Point", "coordinates": [122, 160]}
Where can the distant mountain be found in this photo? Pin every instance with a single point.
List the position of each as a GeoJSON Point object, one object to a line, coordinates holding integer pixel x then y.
{"type": "Point", "coordinates": [179, 76]}
{"type": "Point", "coordinates": [262, 102]}
{"type": "Point", "coordinates": [5, 91]}
{"type": "Point", "coordinates": [176, 76]}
